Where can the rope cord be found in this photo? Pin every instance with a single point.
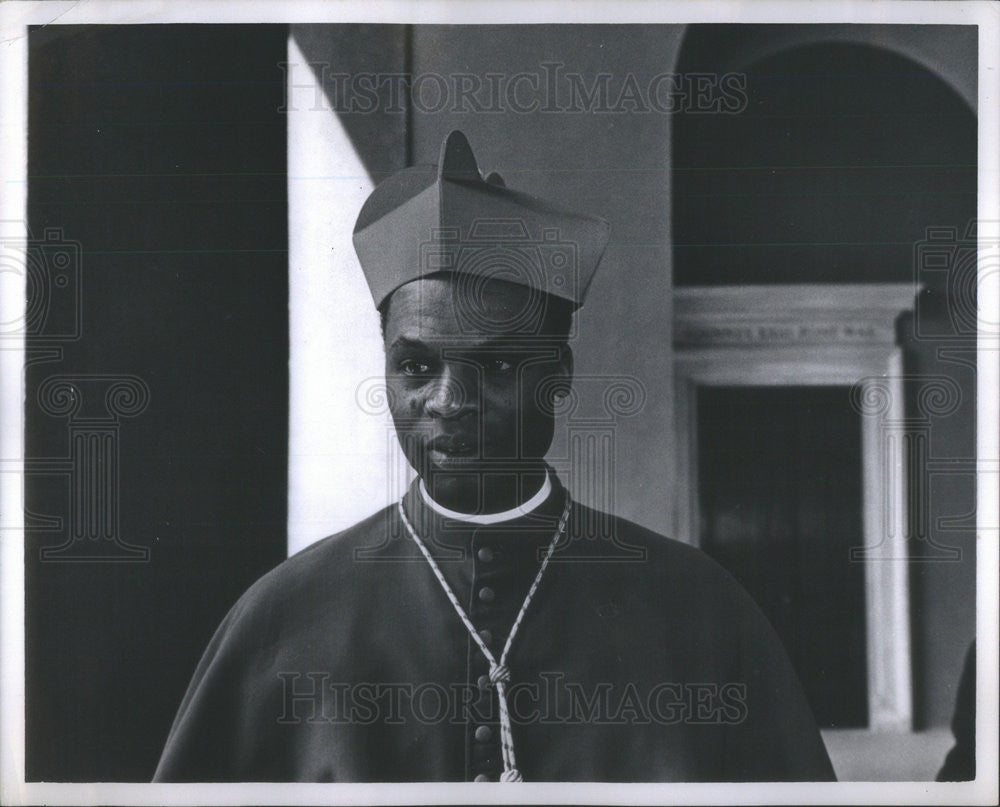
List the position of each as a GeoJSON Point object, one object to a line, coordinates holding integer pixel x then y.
{"type": "Point", "coordinates": [499, 671]}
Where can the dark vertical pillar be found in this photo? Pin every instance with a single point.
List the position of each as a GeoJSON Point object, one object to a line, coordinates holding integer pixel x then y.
{"type": "Point", "coordinates": [156, 405]}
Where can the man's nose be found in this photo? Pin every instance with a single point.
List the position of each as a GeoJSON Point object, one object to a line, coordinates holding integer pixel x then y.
{"type": "Point", "coordinates": [452, 393]}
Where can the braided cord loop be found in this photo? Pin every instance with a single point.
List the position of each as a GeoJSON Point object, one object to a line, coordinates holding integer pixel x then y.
{"type": "Point", "coordinates": [499, 671]}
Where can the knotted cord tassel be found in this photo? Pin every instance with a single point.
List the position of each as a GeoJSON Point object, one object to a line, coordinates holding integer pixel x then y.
{"type": "Point", "coordinates": [499, 673]}
{"type": "Point", "coordinates": [500, 677]}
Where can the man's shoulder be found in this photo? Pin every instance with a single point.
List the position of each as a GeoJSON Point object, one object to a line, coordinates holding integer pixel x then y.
{"type": "Point", "coordinates": [320, 571]}
{"type": "Point", "coordinates": [645, 555]}
{"type": "Point", "coordinates": [366, 534]}
{"type": "Point", "coordinates": [618, 531]}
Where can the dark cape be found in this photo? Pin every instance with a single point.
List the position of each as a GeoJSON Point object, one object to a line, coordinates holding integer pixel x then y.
{"type": "Point", "coordinates": [640, 659]}
{"type": "Point", "coordinates": [960, 764]}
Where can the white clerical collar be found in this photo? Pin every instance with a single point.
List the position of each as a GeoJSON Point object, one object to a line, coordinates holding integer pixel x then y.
{"type": "Point", "coordinates": [491, 518]}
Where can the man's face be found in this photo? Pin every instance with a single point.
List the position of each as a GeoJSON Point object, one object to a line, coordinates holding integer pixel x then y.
{"type": "Point", "coordinates": [466, 391]}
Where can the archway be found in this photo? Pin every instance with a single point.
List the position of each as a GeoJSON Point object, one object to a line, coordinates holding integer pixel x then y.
{"type": "Point", "coordinates": [854, 142]}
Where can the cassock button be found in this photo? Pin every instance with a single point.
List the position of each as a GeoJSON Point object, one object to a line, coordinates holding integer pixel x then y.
{"type": "Point", "coordinates": [486, 635]}
{"type": "Point", "coordinates": [485, 554]}
{"type": "Point", "coordinates": [486, 594]}
{"type": "Point", "coordinates": [482, 778]}
{"type": "Point", "coordinates": [483, 682]}
{"type": "Point", "coordinates": [484, 734]}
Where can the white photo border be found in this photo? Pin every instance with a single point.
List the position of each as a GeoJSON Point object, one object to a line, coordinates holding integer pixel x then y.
{"type": "Point", "coordinates": [15, 17]}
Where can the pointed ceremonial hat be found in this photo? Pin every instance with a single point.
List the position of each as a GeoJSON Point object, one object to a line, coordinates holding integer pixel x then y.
{"type": "Point", "coordinates": [446, 218]}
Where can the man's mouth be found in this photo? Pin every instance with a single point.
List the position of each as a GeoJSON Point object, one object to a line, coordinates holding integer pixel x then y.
{"type": "Point", "coordinates": [452, 447]}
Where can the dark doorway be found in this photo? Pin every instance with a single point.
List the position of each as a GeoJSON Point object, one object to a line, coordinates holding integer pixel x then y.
{"type": "Point", "coordinates": [780, 508]}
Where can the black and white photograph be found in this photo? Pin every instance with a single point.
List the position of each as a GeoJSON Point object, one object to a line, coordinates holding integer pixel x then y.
{"type": "Point", "coordinates": [499, 403]}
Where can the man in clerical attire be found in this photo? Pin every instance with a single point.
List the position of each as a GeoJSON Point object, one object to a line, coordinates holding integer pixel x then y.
{"type": "Point", "coordinates": [488, 627]}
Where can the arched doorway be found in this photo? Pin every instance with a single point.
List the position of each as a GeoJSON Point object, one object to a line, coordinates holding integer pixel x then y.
{"type": "Point", "coordinates": [855, 140]}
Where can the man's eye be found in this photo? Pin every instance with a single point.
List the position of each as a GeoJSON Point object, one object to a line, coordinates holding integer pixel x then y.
{"type": "Point", "coordinates": [414, 367]}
